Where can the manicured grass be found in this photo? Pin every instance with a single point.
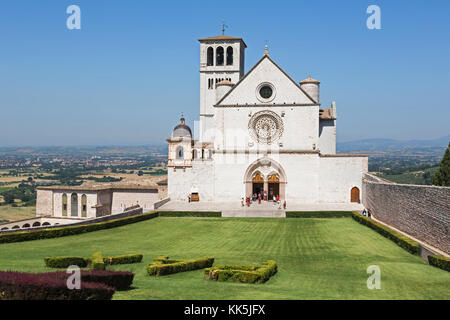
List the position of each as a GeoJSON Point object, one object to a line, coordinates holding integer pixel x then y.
{"type": "Point", "coordinates": [317, 258]}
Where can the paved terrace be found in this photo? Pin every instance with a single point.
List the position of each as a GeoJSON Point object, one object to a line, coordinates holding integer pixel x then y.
{"type": "Point", "coordinates": [264, 210]}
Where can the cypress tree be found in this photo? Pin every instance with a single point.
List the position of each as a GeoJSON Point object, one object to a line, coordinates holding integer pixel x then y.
{"type": "Point", "coordinates": [442, 176]}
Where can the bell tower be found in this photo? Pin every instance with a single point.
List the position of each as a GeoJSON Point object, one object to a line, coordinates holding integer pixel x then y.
{"type": "Point", "coordinates": [221, 58]}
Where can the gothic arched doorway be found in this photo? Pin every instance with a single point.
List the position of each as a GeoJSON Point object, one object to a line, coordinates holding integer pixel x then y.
{"type": "Point", "coordinates": [267, 177]}
{"type": "Point", "coordinates": [354, 195]}
{"type": "Point", "coordinates": [257, 184]}
{"type": "Point", "coordinates": [273, 186]}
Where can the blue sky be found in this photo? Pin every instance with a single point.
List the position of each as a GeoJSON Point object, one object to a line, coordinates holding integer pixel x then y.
{"type": "Point", "coordinates": [132, 69]}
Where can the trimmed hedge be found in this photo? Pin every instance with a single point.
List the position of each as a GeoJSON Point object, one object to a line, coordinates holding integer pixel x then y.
{"type": "Point", "coordinates": [318, 214]}
{"type": "Point", "coordinates": [73, 230]}
{"type": "Point", "coordinates": [65, 262]}
{"type": "Point", "coordinates": [401, 240]}
{"type": "Point", "coordinates": [208, 214]}
{"type": "Point", "coordinates": [119, 280]}
{"type": "Point", "coordinates": [97, 262]}
{"type": "Point", "coordinates": [161, 266]}
{"type": "Point", "coordinates": [440, 262]}
{"type": "Point", "coordinates": [123, 259]}
{"type": "Point", "coordinates": [45, 286]}
{"type": "Point", "coordinates": [246, 274]}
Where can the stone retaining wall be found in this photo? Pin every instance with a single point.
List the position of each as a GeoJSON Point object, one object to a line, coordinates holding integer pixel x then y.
{"type": "Point", "coordinates": [420, 211]}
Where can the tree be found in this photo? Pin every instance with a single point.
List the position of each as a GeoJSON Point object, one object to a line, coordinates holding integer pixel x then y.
{"type": "Point", "coordinates": [442, 176]}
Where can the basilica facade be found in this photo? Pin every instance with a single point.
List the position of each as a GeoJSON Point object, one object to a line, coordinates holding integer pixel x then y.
{"type": "Point", "coordinates": [260, 132]}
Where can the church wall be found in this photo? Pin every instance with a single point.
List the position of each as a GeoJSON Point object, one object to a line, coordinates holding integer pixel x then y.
{"type": "Point", "coordinates": [300, 128]}
{"type": "Point", "coordinates": [302, 177]}
{"type": "Point", "coordinates": [327, 136]}
{"type": "Point", "coordinates": [44, 202]}
{"type": "Point", "coordinates": [338, 175]}
{"type": "Point", "coordinates": [122, 199]}
{"type": "Point", "coordinates": [285, 90]}
{"type": "Point", "coordinates": [199, 176]}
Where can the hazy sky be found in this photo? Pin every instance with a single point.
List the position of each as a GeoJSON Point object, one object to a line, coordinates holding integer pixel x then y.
{"type": "Point", "coordinates": [127, 75]}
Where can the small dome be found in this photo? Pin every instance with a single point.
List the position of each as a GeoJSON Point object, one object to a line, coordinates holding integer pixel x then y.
{"type": "Point", "coordinates": [182, 130]}
{"type": "Point", "coordinates": [310, 80]}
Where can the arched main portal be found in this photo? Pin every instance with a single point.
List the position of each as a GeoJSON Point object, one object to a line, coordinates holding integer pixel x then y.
{"type": "Point", "coordinates": [267, 177]}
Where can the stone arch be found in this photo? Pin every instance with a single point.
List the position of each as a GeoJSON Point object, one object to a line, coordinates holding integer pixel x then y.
{"type": "Point", "coordinates": [4, 228]}
{"type": "Point", "coordinates": [84, 206]}
{"type": "Point", "coordinates": [355, 195]}
{"type": "Point", "coordinates": [210, 56]}
{"type": "Point", "coordinates": [219, 56]}
{"type": "Point", "coordinates": [266, 167]}
{"type": "Point", "coordinates": [26, 225]}
{"type": "Point", "coordinates": [15, 227]}
{"type": "Point", "coordinates": [46, 224]}
{"type": "Point", "coordinates": [64, 205]}
{"type": "Point", "coordinates": [229, 56]}
{"type": "Point", "coordinates": [37, 224]}
{"type": "Point", "coordinates": [74, 205]}
{"type": "Point", "coordinates": [179, 152]}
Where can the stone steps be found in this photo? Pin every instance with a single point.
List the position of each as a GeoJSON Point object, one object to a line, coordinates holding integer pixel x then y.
{"type": "Point", "coordinates": [254, 213]}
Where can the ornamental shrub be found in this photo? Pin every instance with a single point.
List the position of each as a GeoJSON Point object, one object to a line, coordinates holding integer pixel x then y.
{"type": "Point", "coordinates": [123, 259]}
{"type": "Point", "coordinates": [72, 230]}
{"type": "Point", "coordinates": [440, 262]}
{"type": "Point", "coordinates": [318, 214]}
{"type": "Point", "coordinates": [44, 286]}
{"type": "Point", "coordinates": [161, 266]}
{"type": "Point", "coordinates": [247, 274]}
{"type": "Point", "coordinates": [401, 240]}
{"type": "Point", "coordinates": [119, 280]}
{"type": "Point", "coordinates": [65, 262]}
{"type": "Point", "coordinates": [97, 261]}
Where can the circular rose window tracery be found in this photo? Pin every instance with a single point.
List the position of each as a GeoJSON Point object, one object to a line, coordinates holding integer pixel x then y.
{"type": "Point", "coordinates": [265, 127]}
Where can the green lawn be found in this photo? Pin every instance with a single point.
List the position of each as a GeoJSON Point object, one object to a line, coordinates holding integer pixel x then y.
{"type": "Point", "coordinates": [317, 258]}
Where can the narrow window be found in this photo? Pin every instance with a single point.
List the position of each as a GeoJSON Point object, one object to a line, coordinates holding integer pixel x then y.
{"type": "Point", "coordinates": [64, 205]}
{"type": "Point", "coordinates": [180, 152]}
{"type": "Point", "coordinates": [74, 205]}
{"type": "Point", "coordinates": [229, 56]}
{"type": "Point", "coordinates": [210, 57]}
{"type": "Point", "coordinates": [219, 56]}
{"type": "Point", "coordinates": [83, 205]}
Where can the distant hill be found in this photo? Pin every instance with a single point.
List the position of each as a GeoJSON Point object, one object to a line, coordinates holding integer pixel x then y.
{"type": "Point", "coordinates": [389, 144]}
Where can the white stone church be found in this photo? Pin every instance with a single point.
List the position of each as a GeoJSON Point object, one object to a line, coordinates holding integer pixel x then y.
{"type": "Point", "coordinates": [261, 132]}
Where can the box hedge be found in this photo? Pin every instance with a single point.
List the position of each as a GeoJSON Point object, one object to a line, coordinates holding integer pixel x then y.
{"type": "Point", "coordinates": [440, 262]}
{"type": "Point", "coordinates": [161, 266]}
{"type": "Point", "coordinates": [318, 214]}
{"type": "Point", "coordinates": [97, 262]}
{"type": "Point", "coordinates": [401, 240]}
{"type": "Point", "coordinates": [73, 230]}
{"type": "Point", "coordinates": [208, 214]}
{"type": "Point", "coordinates": [119, 280]}
{"type": "Point", "coordinates": [44, 286]}
{"type": "Point", "coordinates": [123, 259]}
{"type": "Point", "coordinates": [65, 262]}
{"type": "Point", "coordinates": [246, 274]}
